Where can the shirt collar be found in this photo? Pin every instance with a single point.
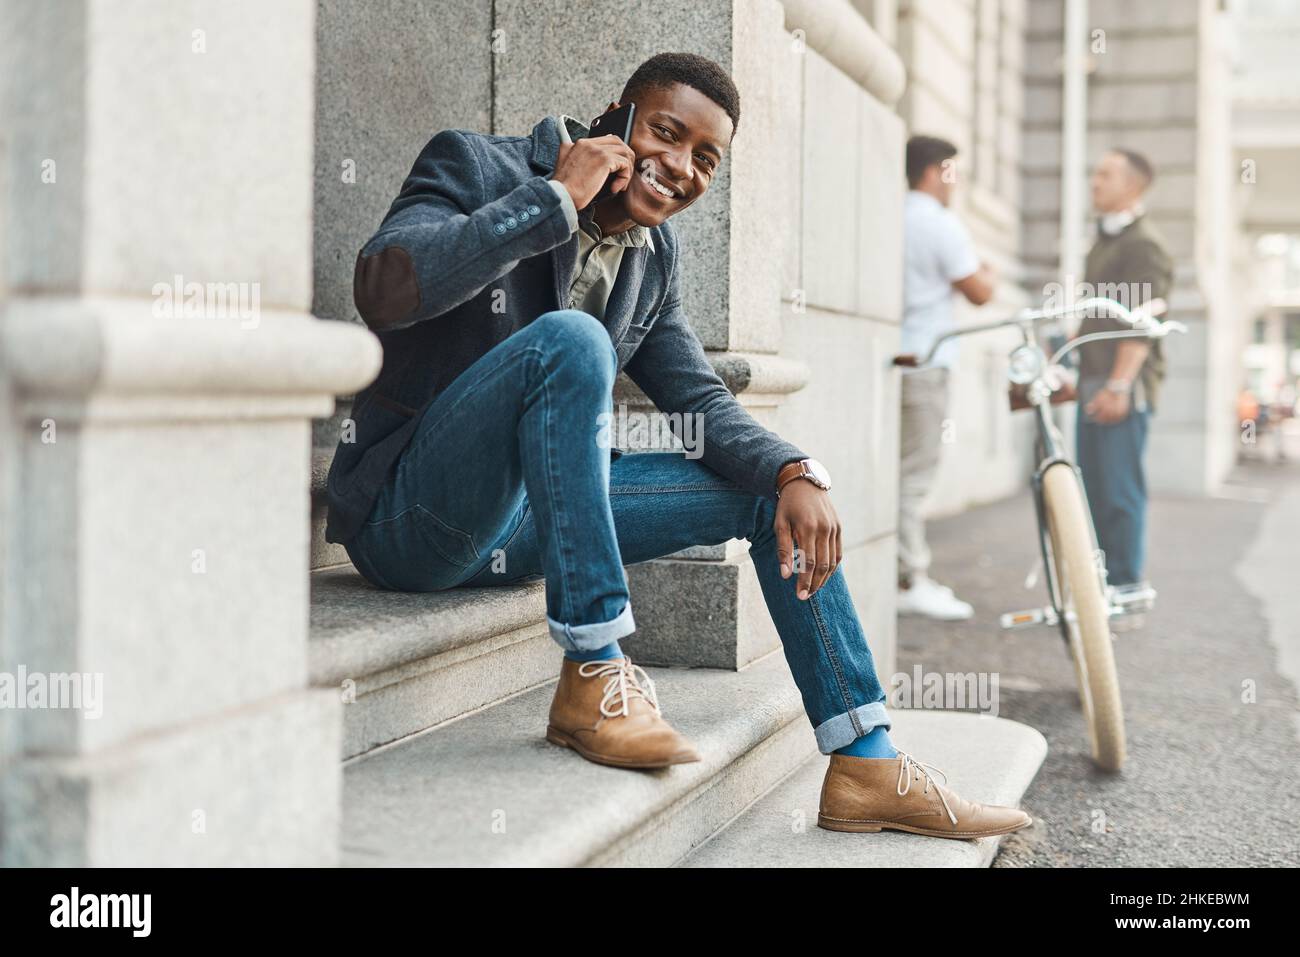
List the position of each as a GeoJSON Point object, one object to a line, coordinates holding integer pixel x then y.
{"type": "Point", "coordinates": [571, 129]}
{"type": "Point", "coordinates": [1112, 224]}
{"type": "Point", "coordinates": [921, 196]}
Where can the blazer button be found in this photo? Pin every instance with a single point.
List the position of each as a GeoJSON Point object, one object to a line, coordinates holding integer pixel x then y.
{"type": "Point", "coordinates": [499, 228]}
{"type": "Point", "coordinates": [511, 222]}
{"type": "Point", "coordinates": [534, 210]}
{"type": "Point", "coordinates": [523, 215]}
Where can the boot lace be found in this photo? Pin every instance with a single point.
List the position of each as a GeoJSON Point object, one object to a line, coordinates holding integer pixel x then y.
{"type": "Point", "coordinates": [911, 769]}
{"type": "Point", "coordinates": [625, 680]}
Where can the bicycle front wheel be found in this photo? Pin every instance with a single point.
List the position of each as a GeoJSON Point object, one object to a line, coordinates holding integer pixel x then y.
{"type": "Point", "coordinates": [1087, 614]}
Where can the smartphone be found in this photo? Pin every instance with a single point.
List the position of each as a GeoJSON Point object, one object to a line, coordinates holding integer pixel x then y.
{"type": "Point", "coordinates": [619, 122]}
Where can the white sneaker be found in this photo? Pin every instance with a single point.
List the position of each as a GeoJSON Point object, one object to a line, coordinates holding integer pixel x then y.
{"type": "Point", "coordinates": [943, 588]}
{"type": "Point", "coordinates": [939, 585]}
{"type": "Point", "coordinates": [932, 600]}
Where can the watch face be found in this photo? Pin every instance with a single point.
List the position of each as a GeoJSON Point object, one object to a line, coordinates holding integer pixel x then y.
{"type": "Point", "coordinates": [818, 472]}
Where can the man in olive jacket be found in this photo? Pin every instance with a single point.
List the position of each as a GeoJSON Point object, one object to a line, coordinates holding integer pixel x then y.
{"type": "Point", "coordinates": [1119, 379]}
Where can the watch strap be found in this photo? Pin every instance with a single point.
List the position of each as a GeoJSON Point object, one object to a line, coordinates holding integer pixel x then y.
{"type": "Point", "coordinates": [789, 473]}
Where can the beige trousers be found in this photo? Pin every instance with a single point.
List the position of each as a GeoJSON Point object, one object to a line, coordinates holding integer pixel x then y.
{"type": "Point", "coordinates": [924, 405]}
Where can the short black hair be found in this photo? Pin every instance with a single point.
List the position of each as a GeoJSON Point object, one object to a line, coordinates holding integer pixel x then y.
{"type": "Point", "coordinates": [663, 70]}
{"type": "Point", "coordinates": [923, 152]}
{"type": "Point", "coordinates": [1138, 164]}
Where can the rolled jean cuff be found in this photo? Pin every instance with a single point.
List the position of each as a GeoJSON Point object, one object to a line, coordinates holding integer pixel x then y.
{"type": "Point", "coordinates": [594, 636]}
{"type": "Point", "coordinates": [838, 732]}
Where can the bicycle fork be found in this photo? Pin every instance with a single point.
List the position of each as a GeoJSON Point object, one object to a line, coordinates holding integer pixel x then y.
{"type": "Point", "coordinates": [1120, 602]}
{"type": "Point", "coordinates": [1052, 614]}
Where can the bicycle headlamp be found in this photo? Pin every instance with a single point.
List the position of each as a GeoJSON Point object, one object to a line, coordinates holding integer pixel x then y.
{"type": "Point", "coordinates": [1024, 365]}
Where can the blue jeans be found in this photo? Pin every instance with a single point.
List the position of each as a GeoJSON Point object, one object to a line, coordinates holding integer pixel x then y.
{"type": "Point", "coordinates": [1110, 457]}
{"type": "Point", "coordinates": [507, 480]}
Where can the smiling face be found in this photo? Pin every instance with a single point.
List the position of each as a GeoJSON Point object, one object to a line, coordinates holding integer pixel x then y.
{"type": "Point", "coordinates": [680, 137]}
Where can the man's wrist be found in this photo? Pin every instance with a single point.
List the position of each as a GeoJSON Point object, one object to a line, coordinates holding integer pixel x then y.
{"type": "Point", "coordinates": [784, 476]}
{"type": "Point", "coordinates": [1119, 386]}
{"type": "Point", "coordinates": [808, 469]}
{"type": "Point", "coordinates": [566, 203]}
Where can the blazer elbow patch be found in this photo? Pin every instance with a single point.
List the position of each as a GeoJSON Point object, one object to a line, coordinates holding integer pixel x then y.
{"type": "Point", "coordinates": [385, 288]}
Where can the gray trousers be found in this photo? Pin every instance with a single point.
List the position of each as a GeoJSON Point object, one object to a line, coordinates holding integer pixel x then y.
{"type": "Point", "coordinates": [923, 407]}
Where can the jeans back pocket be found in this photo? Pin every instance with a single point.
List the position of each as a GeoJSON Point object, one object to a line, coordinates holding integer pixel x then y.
{"type": "Point", "coordinates": [417, 551]}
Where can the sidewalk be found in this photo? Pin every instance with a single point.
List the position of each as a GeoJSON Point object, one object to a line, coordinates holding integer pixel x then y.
{"type": "Point", "coordinates": [1210, 780]}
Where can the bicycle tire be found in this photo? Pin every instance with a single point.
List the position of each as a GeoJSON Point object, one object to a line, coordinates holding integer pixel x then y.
{"type": "Point", "coordinates": [1091, 645]}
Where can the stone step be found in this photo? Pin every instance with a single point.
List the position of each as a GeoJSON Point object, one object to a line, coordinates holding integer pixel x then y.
{"type": "Point", "coordinates": [488, 789]}
{"type": "Point", "coordinates": [406, 661]}
{"type": "Point", "coordinates": [990, 760]}
{"type": "Point", "coordinates": [323, 553]}
{"type": "Point", "coordinates": [256, 785]}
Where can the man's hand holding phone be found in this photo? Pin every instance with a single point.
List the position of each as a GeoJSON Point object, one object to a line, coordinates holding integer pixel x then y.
{"type": "Point", "coordinates": [584, 167]}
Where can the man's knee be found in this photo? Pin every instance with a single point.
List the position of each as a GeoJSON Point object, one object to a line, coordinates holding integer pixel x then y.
{"type": "Point", "coordinates": [764, 519]}
{"type": "Point", "coordinates": [576, 334]}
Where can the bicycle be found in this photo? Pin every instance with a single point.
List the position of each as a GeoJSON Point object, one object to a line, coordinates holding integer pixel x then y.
{"type": "Point", "coordinates": [1080, 602]}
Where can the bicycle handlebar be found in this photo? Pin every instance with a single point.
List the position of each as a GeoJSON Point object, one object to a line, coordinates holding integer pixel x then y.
{"type": "Point", "coordinates": [1144, 314]}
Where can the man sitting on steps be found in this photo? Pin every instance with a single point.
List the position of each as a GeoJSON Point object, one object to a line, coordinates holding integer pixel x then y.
{"type": "Point", "coordinates": [508, 297]}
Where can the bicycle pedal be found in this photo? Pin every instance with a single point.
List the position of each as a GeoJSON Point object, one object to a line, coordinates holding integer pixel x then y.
{"type": "Point", "coordinates": [1028, 618]}
{"type": "Point", "coordinates": [1126, 600]}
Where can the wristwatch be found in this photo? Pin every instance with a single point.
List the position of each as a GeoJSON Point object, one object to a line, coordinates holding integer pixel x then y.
{"type": "Point", "coordinates": [809, 469]}
{"type": "Point", "coordinates": [1119, 386]}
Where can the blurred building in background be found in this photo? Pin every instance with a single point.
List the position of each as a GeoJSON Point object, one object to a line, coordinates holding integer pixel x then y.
{"type": "Point", "coordinates": [967, 83]}
{"type": "Point", "coordinates": [1189, 83]}
{"type": "Point", "coordinates": [1266, 147]}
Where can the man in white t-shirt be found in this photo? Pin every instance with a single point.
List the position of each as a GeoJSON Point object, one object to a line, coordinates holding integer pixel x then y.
{"type": "Point", "coordinates": [938, 260]}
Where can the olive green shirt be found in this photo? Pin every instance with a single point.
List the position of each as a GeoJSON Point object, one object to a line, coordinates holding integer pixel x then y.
{"type": "Point", "coordinates": [1131, 267]}
{"type": "Point", "coordinates": [599, 256]}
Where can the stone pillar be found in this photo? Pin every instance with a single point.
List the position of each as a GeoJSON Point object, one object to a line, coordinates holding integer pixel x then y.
{"type": "Point", "coordinates": [388, 76]}
{"type": "Point", "coordinates": [162, 371]}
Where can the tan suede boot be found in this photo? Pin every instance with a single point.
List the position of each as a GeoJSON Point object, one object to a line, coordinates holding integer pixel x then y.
{"type": "Point", "coordinates": [868, 794]}
{"type": "Point", "coordinates": [607, 712]}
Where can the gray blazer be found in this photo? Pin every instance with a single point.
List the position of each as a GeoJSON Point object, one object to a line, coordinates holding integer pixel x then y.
{"type": "Point", "coordinates": [477, 224]}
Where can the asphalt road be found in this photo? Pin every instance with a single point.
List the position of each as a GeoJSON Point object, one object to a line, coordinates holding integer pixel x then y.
{"type": "Point", "coordinates": [1213, 777]}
